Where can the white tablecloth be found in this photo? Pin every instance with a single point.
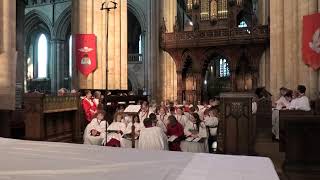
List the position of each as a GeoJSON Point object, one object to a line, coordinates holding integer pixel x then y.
{"type": "Point", "coordinates": [27, 160]}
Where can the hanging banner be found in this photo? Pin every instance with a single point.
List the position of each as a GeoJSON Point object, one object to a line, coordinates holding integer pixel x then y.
{"type": "Point", "coordinates": [311, 40]}
{"type": "Point", "coordinates": [86, 53]}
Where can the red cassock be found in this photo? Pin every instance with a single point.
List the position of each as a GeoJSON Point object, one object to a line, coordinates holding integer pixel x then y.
{"type": "Point", "coordinates": [175, 130]}
{"type": "Point", "coordinates": [89, 108]}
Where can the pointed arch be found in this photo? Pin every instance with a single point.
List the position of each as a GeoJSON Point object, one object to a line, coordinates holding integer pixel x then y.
{"type": "Point", "coordinates": [62, 26]}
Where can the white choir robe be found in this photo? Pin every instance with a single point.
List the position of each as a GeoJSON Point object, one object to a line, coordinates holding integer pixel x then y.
{"type": "Point", "coordinates": [99, 126]}
{"type": "Point", "coordinates": [153, 138]}
{"type": "Point", "coordinates": [281, 102]}
{"type": "Point", "coordinates": [162, 122]}
{"type": "Point", "coordinates": [143, 115]}
{"type": "Point", "coordinates": [195, 147]}
{"type": "Point", "coordinates": [212, 122]}
{"type": "Point", "coordinates": [127, 143]}
{"type": "Point", "coordinates": [301, 103]}
{"type": "Point", "coordinates": [116, 126]}
{"type": "Point", "coordinates": [182, 119]}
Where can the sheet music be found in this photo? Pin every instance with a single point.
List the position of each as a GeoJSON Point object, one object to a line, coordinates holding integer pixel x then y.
{"type": "Point", "coordinates": [197, 139]}
{"type": "Point", "coordinates": [133, 109]}
{"type": "Point", "coordinates": [172, 138]}
{"type": "Point", "coordinates": [190, 139]}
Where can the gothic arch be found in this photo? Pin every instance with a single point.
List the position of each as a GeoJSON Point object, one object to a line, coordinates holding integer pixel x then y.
{"type": "Point", "coordinates": [134, 8]}
{"type": "Point", "coordinates": [62, 27]}
{"type": "Point", "coordinates": [36, 21]}
{"type": "Point", "coordinates": [210, 53]}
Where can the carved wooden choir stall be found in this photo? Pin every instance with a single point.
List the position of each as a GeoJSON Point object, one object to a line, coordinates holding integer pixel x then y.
{"type": "Point", "coordinates": [236, 134]}
{"type": "Point", "coordinates": [52, 118]}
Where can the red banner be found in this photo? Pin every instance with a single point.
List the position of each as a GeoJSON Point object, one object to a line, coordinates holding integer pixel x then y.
{"type": "Point", "coordinates": [86, 53]}
{"type": "Point", "coordinates": [311, 40]}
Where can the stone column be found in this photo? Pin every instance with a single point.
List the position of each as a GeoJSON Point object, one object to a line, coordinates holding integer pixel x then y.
{"type": "Point", "coordinates": [20, 56]}
{"type": "Point", "coordinates": [87, 18]}
{"type": "Point", "coordinates": [59, 53]}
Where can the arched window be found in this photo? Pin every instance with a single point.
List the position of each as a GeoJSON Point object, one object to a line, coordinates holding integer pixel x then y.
{"type": "Point", "coordinates": [70, 56]}
{"type": "Point", "coordinates": [42, 56]}
{"type": "Point", "coordinates": [224, 68]}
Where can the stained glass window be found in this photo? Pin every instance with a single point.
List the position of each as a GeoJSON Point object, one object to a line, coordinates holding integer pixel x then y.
{"type": "Point", "coordinates": [224, 68]}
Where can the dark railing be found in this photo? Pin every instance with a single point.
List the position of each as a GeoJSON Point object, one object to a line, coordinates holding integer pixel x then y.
{"type": "Point", "coordinates": [135, 58]}
{"type": "Point", "coordinates": [215, 37]}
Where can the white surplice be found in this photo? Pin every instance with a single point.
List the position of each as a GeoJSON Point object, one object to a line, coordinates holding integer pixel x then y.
{"type": "Point", "coordinates": [162, 122]}
{"type": "Point", "coordinates": [127, 143]}
{"type": "Point", "coordinates": [143, 115]}
{"type": "Point", "coordinates": [195, 147]}
{"type": "Point", "coordinates": [301, 103]}
{"type": "Point", "coordinates": [153, 138]}
{"type": "Point", "coordinates": [99, 126]}
{"type": "Point", "coordinates": [212, 122]}
{"type": "Point", "coordinates": [282, 102]}
{"type": "Point", "coordinates": [182, 119]}
{"type": "Point", "coordinates": [116, 126]}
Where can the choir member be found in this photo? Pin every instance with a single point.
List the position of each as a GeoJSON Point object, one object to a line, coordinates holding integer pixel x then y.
{"type": "Point", "coordinates": [196, 134]}
{"type": "Point", "coordinates": [115, 131]}
{"type": "Point", "coordinates": [95, 132]}
{"type": "Point", "coordinates": [211, 121]}
{"type": "Point", "coordinates": [162, 117]}
{"type": "Point", "coordinates": [181, 118]}
{"type": "Point", "coordinates": [152, 137]}
{"type": "Point", "coordinates": [175, 130]}
{"type": "Point", "coordinates": [127, 134]}
{"type": "Point", "coordinates": [97, 97]}
{"type": "Point", "coordinates": [89, 107]}
{"type": "Point", "coordinates": [301, 102]}
{"type": "Point", "coordinates": [281, 102]}
{"type": "Point", "coordinates": [144, 112]}
{"type": "Point", "coordinates": [186, 106]}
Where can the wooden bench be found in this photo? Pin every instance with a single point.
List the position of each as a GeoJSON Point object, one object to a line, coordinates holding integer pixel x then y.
{"type": "Point", "coordinates": [302, 158]}
{"type": "Point", "coordinates": [284, 116]}
{"type": "Point", "coordinates": [264, 115]}
{"type": "Point", "coordinates": [52, 118]}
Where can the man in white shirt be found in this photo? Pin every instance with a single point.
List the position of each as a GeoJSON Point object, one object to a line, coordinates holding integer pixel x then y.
{"type": "Point", "coordinates": [301, 102]}
{"type": "Point", "coordinates": [152, 137]}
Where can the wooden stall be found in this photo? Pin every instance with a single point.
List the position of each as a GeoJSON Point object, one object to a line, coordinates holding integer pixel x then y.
{"type": "Point", "coordinates": [300, 134]}
{"type": "Point", "coordinates": [52, 118]}
{"type": "Point", "coordinates": [237, 126]}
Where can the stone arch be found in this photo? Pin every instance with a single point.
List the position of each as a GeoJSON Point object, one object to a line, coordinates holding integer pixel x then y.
{"type": "Point", "coordinates": [62, 27]}
{"type": "Point", "coordinates": [134, 8]}
{"type": "Point", "coordinates": [36, 21]}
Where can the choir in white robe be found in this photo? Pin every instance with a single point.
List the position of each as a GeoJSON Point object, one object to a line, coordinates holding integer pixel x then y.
{"type": "Point", "coordinates": [116, 126]}
{"type": "Point", "coordinates": [195, 147]}
{"type": "Point", "coordinates": [282, 103]}
{"type": "Point", "coordinates": [99, 126]}
{"type": "Point", "coordinates": [301, 103]}
{"type": "Point", "coordinates": [162, 122]}
{"type": "Point", "coordinates": [153, 138]}
{"type": "Point", "coordinates": [212, 123]}
{"type": "Point", "coordinates": [127, 143]}
{"type": "Point", "coordinates": [143, 115]}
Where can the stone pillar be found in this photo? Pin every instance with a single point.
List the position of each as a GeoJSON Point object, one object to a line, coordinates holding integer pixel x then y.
{"type": "Point", "coordinates": [20, 56]}
{"type": "Point", "coordinates": [87, 18]}
{"type": "Point", "coordinates": [168, 68]}
{"type": "Point", "coordinates": [58, 49]}
{"type": "Point", "coordinates": [8, 54]}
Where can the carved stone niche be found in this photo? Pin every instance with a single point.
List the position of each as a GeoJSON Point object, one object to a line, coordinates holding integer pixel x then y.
{"type": "Point", "coordinates": [237, 124]}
